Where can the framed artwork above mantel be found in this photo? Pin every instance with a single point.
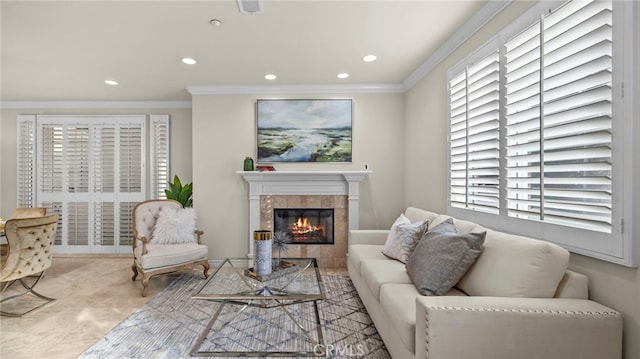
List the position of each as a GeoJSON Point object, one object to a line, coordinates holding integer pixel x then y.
{"type": "Point", "coordinates": [304, 130]}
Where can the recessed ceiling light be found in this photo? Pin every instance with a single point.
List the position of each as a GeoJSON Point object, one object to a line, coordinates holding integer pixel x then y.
{"type": "Point", "coordinates": [270, 77]}
{"type": "Point", "coordinates": [369, 58]}
{"type": "Point", "coordinates": [343, 75]}
{"type": "Point", "coordinates": [111, 82]}
{"type": "Point", "coordinates": [188, 60]}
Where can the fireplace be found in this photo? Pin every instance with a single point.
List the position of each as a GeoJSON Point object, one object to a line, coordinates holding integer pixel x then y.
{"type": "Point", "coordinates": [339, 190]}
{"type": "Point", "coordinates": [305, 225]}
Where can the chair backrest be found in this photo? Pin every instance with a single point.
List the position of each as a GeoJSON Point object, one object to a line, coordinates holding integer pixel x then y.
{"type": "Point", "coordinates": [30, 246]}
{"type": "Point", "coordinates": [145, 215]}
{"type": "Point", "coordinates": [28, 212]}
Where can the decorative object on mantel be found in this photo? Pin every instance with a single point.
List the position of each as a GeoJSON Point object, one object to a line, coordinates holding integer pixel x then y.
{"type": "Point", "coordinates": [179, 192]}
{"type": "Point", "coordinates": [265, 168]}
{"type": "Point", "coordinates": [304, 130]}
{"type": "Point", "coordinates": [248, 164]}
{"type": "Point", "coordinates": [262, 250]}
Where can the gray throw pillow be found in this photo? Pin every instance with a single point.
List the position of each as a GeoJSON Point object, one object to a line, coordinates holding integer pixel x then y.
{"type": "Point", "coordinates": [442, 257]}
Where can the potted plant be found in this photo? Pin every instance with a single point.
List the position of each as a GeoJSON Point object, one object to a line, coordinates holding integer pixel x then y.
{"type": "Point", "coordinates": [179, 192]}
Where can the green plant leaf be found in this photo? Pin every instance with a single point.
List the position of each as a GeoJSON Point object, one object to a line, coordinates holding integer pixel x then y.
{"type": "Point", "coordinates": [179, 192]}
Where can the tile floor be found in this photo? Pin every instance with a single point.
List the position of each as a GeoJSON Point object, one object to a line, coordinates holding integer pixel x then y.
{"type": "Point", "coordinates": [93, 294]}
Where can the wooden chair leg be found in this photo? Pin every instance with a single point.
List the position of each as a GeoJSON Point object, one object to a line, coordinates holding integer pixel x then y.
{"type": "Point", "coordinates": [134, 268]}
{"type": "Point", "coordinates": [145, 285]}
{"type": "Point", "coordinates": [206, 270]}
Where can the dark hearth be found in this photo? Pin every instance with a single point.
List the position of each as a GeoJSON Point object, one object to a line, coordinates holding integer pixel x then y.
{"type": "Point", "coordinates": [305, 225]}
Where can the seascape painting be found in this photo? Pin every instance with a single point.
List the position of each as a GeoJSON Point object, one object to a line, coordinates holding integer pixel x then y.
{"type": "Point", "coordinates": [304, 130]}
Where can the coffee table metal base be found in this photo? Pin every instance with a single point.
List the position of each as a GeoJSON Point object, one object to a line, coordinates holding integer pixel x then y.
{"type": "Point", "coordinates": [318, 348]}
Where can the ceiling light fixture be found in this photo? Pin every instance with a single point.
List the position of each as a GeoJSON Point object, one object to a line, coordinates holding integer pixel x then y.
{"type": "Point", "coordinates": [215, 22]}
{"type": "Point", "coordinates": [111, 82]}
{"type": "Point", "coordinates": [343, 75]}
{"type": "Point", "coordinates": [270, 77]}
{"type": "Point", "coordinates": [188, 60]}
{"type": "Point", "coordinates": [369, 58]}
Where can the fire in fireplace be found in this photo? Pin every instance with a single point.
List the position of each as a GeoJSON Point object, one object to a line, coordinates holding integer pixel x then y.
{"type": "Point", "coordinates": [305, 225]}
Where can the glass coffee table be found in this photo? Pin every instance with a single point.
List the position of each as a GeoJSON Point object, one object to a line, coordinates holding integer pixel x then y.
{"type": "Point", "coordinates": [275, 314]}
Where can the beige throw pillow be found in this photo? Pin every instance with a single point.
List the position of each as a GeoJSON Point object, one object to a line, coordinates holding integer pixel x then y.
{"type": "Point", "coordinates": [403, 237]}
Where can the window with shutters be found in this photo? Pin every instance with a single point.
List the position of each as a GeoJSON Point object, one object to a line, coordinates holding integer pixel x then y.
{"type": "Point", "coordinates": [91, 171]}
{"type": "Point", "coordinates": [536, 129]}
{"type": "Point", "coordinates": [474, 138]}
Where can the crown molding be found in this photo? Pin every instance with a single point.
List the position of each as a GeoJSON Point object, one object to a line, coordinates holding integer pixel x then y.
{"type": "Point", "coordinates": [93, 104]}
{"type": "Point", "coordinates": [298, 89]}
{"type": "Point", "coordinates": [475, 23]}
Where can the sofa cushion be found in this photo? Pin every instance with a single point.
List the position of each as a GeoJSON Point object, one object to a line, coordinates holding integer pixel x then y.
{"type": "Point", "coordinates": [403, 238]}
{"type": "Point", "coordinates": [399, 302]}
{"type": "Point", "coordinates": [361, 252]}
{"type": "Point", "coordinates": [162, 255]}
{"type": "Point", "coordinates": [417, 214]}
{"type": "Point", "coordinates": [442, 257]}
{"type": "Point", "coordinates": [516, 266]}
{"type": "Point", "coordinates": [377, 272]}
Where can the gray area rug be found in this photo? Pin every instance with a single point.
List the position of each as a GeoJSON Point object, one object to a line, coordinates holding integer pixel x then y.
{"type": "Point", "coordinates": [169, 325]}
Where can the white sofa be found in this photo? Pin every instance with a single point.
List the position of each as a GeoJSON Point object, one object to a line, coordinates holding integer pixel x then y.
{"type": "Point", "coordinates": [518, 300]}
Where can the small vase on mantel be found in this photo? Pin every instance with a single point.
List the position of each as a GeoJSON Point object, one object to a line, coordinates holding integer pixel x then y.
{"type": "Point", "coordinates": [248, 164]}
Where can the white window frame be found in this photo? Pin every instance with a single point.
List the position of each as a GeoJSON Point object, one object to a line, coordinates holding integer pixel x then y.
{"type": "Point", "coordinates": [620, 246]}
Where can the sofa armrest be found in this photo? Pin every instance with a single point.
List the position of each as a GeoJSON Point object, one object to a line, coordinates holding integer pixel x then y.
{"type": "Point", "coordinates": [498, 327]}
{"type": "Point", "coordinates": [368, 236]}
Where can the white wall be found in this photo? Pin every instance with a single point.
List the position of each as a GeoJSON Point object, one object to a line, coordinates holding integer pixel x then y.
{"type": "Point", "coordinates": [224, 133]}
{"type": "Point", "coordinates": [180, 144]}
{"type": "Point", "coordinates": [425, 185]}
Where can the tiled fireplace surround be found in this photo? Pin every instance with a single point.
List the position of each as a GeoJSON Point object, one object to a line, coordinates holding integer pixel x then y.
{"type": "Point", "coordinates": [328, 255]}
{"type": "Point", "coordinates": [307, 189]}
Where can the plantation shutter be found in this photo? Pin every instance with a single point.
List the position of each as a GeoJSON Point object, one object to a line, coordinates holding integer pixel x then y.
{"type": "Point", "coordinates": [104, 183]}
{"type": "Point", "coordinates": [458, 141]}
{"type": "Point", "coordinates": [49, 179]}
{"type": "Point", "coordinates": [474, 141]}
{"type": "Point", "coordinates": [26, 161]}
{"type": "Point", "coordinates": [523, 146]}
{"type": "Point", "coordinates": [76, 165]}
{"type": "Point", "coordinates": [131, 176]}
{"type": "Point", "coordinates": [559, 144]}
{"type": "Point", "coordinates": [160, 171]}
{"type": "Point", "coordinates": [92, 173]}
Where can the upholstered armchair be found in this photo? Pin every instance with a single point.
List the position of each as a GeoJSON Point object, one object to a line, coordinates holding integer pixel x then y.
{"type": "Point", "coordinates": [29, 253]}
{"type": "Point", "coordinates": [165, 240]}
{"type": "Point", "coordinates": [22, 212]}
{"type": "Point", "coordinates": [28, 212]}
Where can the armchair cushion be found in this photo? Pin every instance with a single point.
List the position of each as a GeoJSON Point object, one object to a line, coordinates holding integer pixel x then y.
{"type": "Point", "coordinates": [163, 255]}
{"type": "Point", "coordinates": [175, 225]}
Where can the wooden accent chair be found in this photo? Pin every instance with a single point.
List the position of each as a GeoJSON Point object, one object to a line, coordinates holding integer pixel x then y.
{"type": "Point", "coordinates": [151, 254]}
{"type": "Point", "coordinates": [29, 253]}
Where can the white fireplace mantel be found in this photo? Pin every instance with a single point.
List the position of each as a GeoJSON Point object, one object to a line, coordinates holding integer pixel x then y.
{"type": "Point", "coordinates": [334, 183]}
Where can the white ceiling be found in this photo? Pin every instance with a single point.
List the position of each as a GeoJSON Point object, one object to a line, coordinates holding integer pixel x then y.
{"type": "Point", "coordinates": [64, 50]}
